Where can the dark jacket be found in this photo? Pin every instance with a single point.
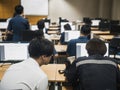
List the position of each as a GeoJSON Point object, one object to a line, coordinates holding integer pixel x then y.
{"type": "Point", "coordinates": [94, 73]}
{"type": "Point", "coordinates": [17, 24]}
{"type": "Point", "coordinates": [71, 47]}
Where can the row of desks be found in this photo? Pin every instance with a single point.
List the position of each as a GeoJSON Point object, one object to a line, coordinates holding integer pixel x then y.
{"type": "Point", "coordinates": [104, 35]}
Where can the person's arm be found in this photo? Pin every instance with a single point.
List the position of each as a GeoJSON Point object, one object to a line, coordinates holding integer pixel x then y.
{"type": "Point", "coordinates": [27, 25]}
{"type": "Point", "coordinates": [9, 28]}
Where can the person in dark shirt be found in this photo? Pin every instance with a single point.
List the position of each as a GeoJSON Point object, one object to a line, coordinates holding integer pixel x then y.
{"type": "Point", "coordinates": [84, 33]}
{"type": "Point", "coordinates": [62, 38]}
{"type": "Point", "coordinates": [95, 72]}
{"type": "Point", "coordinates": [17, 24]}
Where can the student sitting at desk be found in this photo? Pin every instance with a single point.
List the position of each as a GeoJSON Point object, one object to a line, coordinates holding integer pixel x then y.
{"type": "Point", "coordinates": [95, 72]}
{"type": "Point", "coordinates": [27, 75]}
{"type": "Point", "coordinates": [41, 26]}
{"type": "Point", "coordinates": [84, 33]}
{"type": "Point", "coordinates": [62, 38]}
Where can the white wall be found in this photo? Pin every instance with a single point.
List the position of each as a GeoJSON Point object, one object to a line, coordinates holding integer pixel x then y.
{"type": "Point", "coordinates": [116, 10]}
{"type": "Point", "coordinates": [73, 9]}
{"type": "Point", "coordinates": [77, 9]}
{"type": "Point", "coordinates": [105, 8]}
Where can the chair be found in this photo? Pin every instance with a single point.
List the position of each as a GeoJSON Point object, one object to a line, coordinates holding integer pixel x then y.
{"type": "Point", "coordinates": [114, 46]}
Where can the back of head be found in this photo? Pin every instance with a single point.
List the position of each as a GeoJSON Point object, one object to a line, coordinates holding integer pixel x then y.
{"type": "Point", "coordinates": [39, 47]}
{"type": "Point", "coordinates": [96, 46]}
{"type": "Point", "coordinates": [39, 34]}
{"type": "Point", "coordinates": [85, 30]}
{"type": "Point", "coordinates": [67, 27]}
{"type": "Point", "coordinates": [19, 9]}
{"type": "Point", "coordinates": [40, 24]}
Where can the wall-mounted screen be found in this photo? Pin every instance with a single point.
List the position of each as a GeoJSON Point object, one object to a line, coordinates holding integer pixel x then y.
{"type": "Point", "coordinates": [35, 7]}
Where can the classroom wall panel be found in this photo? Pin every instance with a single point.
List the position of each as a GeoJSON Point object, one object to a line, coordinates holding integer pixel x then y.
{"type": "Point", "coordinates": [116, 10]}
{"type": "Point", "coordinates": [7, 10]}
{"type": "Point", "coordinates": [105, 8]}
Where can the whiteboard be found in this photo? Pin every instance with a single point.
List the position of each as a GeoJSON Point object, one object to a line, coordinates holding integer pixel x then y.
{"type": "Point", "coordinates": [35, 7]}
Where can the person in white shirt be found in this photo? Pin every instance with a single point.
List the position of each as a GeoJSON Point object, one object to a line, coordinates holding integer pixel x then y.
{"type": "Point", "coordinates": [27, 75]}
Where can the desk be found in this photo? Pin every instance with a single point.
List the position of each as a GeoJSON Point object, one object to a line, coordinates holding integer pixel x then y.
{"type": "Point", "coordinates": [55, 38]}
{"type": "Point", "coordinates": [94, 28]}
{"type": "Point", "coordinates": [54, 28]}
{"type": "Point", "coordinates": [60, 77]}
{"type": "Point", "coordinates": [106, 37]}
{"type": "Point", "coordinates": [100, 32]}
{"type": "Point", "coordinates": [61, 48]}
{"type": "Point", "coordinates": [3, 68]}
{"type": "Point", "coordinates": [52, 32]}
{"type": "Point", "coordinates": [95, 33]}
{"type": "Point", "coordinates": [50, 70]}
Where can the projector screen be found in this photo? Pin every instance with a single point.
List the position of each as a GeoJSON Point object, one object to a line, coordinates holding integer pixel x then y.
{"type": "Point", "coordinates": [35, 7]}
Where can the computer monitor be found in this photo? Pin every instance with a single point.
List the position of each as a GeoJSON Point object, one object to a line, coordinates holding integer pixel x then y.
{"type": "Point", "coordinates": [71, 35]}
{"type": "Point", "coordinates": [81, 50]}
{"type": "Point", "coordinates": [87, 20]}
{"type": "Point", "coordinates": [95, 22]}
{"type": "Point", "coordinates": [115, 29]}
{"type": "Point", "coordinates": [13, 51]}
{"type": "Point", "coordinates": [104, 25]}
{"type": "Point", "coordinates": [34, 27]}
{"type": "Point", "coordinates": [3, 25]}
{"type": "Point", "coordinates": [114, 22]}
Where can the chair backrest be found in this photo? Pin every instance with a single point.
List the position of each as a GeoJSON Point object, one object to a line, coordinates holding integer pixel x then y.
{"type": "Point", "coordinates": [115, 45]}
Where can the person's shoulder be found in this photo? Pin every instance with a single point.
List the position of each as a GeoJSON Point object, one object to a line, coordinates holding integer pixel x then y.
{"type": "Point", "coordinates": [73, 40]}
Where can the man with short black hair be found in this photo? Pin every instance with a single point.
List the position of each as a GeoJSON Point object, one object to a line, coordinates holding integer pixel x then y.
{"type": "Point", "coordinates": [27, 75]}
{"type": "Point", "coordinates": [17, 24]}
{"type": "Point", "coordinates": [84, 37]}
{"type": "Point", "coordinates": [95, 72]}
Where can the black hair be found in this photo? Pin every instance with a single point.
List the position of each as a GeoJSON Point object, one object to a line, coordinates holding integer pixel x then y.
{"type": "Point", "coordinates": [85, 30]}
{"type": "Point", "coordinates": [38, 34]}
{"type": "Point", "coordinates": [40, 24]}
{"type": "Point", "coordinates": [96, 46]}
{"type": "Point", "coordinates": [19, 9]}
{"type": "Point", "coordinates": [67, 27]}
{"type": "Point", "coordinates": [40, 46]}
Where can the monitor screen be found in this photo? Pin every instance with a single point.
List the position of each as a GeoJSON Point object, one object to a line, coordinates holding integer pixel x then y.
{"type": "Point", "coordinates": [71, 35]}
{"type": "Point", "coordinates": [13, 51]}
{"type": "Point", "coordinates": [34, 27]}
{"type": "Point", "coordinates": [115, 29]}
{"type": "Point", "coordinates": [81, 50]}
{"type": "Point", "coordinates": [114, 22]}
{"type": "Point", "coordinates": [95, 22]}
{"type": "Point", "coordinates": [3, 25]}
